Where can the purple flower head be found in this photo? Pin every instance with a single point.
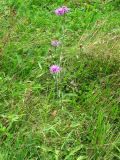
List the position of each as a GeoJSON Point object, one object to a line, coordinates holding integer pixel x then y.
{"type": "Point", "coordinates": [62, 10]}
{"type": "Point", "coordinates": [55, 43]}
{"type": "Point", "coordinates": [66, 9]}
{"type": "Point", "coordinates": [55, 69]}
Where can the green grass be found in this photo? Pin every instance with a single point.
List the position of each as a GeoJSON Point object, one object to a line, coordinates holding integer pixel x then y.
{"type": "Point", "coordinates": [84, 123]}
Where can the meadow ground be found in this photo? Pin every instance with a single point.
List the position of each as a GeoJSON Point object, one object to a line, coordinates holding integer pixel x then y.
{"type": "Point", "coordinates": [83, 121]}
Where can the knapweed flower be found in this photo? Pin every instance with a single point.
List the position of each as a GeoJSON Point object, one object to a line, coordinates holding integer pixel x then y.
{"type": "Point", "coordinates": [55, 43]}
{"type": "Point", "coordinates": [62, 10]}
{"type": "Point", "coordinates": [55, 69]}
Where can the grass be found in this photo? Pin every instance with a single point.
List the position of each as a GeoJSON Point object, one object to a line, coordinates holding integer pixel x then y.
{"type": "Point", "coordinates": [84, 123]}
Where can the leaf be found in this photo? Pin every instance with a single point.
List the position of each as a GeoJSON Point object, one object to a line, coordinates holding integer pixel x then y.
{"type": "Point", "coordinates": [76, 149]}
{"type": "Point", "coordinates": [81, 158]}
{"type": "Point", "coordinates": [56, 154]}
